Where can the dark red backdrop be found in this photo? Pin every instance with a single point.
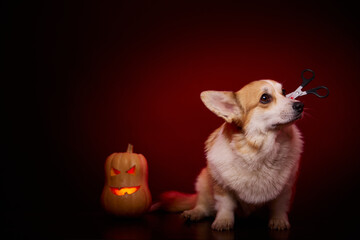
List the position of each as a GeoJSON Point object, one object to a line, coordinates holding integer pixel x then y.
{"type": "Point", "coordinates": [83, 80]}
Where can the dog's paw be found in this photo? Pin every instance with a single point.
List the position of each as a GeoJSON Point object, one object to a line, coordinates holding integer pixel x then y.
{"type": "Point", "coordinates": [279, 223]}
{"type": "Point", "coordinates": [193, 214]}
{"type": "Point", "coordinates": [223, 224]}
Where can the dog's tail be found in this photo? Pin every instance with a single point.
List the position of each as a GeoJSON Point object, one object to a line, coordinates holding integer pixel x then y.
{"type": "Point", "coordinates": [175, 202]}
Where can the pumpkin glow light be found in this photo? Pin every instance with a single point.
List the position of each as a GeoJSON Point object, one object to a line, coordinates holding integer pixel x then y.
{"type": "Point", "coordinates": [124, 190]}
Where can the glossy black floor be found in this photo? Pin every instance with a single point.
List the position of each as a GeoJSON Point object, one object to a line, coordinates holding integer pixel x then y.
{"type": "Point", "coordinates": [97, 225]}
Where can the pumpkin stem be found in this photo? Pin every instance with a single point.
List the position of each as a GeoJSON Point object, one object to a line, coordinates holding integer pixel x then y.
{"type": "Point", "coordinates": [130, 148]}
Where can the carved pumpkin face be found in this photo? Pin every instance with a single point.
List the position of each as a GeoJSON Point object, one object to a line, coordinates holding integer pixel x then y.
{"type": "Point", "coordinates": [126, 191]}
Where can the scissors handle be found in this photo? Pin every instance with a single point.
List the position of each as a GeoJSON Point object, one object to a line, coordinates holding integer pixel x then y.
{"type": "Point", "coordinates": [307, 80]}
{"type": "Point", "coordinates": [314, 91]}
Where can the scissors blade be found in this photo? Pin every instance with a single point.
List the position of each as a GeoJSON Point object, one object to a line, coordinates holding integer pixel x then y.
{"type": "Point", "coordinates": [296, 93]}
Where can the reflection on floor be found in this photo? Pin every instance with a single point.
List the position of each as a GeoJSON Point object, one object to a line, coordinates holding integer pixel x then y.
{"type": "Point", "coordinates": [97, 225]}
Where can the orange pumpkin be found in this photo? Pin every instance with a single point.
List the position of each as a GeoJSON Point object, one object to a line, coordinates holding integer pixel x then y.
{"type": "Point", "coordinates": [126, 191]}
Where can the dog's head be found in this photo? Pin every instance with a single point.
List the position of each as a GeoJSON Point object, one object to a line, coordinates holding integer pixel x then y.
{"type": "Point", "coordinates": [259, 105]}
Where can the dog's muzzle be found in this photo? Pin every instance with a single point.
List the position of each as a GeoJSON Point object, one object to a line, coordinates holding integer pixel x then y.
{"type": "Point", "coordinates": [298, 107]}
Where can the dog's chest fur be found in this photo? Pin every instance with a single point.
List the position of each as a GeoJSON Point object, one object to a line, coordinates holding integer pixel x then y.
{"type": "Point", "coordinates": [254, 175]}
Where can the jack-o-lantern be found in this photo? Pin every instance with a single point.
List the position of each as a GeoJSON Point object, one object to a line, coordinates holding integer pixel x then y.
{"type": "Point", "coordinates": [126, 191]}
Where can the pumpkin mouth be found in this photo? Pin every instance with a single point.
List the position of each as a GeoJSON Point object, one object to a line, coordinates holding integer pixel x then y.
{"type": "Point", "coordinates": [124, 190]}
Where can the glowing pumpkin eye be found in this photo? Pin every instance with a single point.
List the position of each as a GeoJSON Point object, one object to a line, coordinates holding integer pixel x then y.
{"type": "Point", "coordinates": [131, 170]}
{"type": "Point", "coordinates": [114, 172]}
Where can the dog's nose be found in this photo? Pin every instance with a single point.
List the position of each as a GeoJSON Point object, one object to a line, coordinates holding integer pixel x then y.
{"type": "Point", "coordinates": [298, 106]}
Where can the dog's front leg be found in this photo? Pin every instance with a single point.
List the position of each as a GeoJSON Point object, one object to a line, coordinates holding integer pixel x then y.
{"type": "Point", "coordinates": [279, 208]}
{"type": "Point", "coordinates": [225, 205]}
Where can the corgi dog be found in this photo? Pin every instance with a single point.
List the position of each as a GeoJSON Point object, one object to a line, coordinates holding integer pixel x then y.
{"type": "Point", "coordinates": [252, 158]}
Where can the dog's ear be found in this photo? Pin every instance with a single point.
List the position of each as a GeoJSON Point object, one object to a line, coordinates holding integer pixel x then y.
{"type": "Point", "coordinates": [222, 103]}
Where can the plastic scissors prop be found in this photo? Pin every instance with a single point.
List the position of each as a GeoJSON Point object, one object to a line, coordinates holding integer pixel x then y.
{"type": "Point", "coordinates": [305, 81]}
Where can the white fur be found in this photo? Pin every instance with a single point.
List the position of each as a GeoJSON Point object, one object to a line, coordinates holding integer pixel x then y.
{"type": "Point", "coordinates": [256, 177]}
{"type": "Point", "coordinates": [224, 205]}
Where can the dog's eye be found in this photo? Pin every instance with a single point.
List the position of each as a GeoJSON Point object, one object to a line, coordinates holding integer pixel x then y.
{"type": "Point", "coordinates": [284, 92]}
{"type": "Point", "coordinates": [265, 98]}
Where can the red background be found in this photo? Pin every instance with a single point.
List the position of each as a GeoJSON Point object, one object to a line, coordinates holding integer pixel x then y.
{"type": "Point", "coordinates": [85, 79]}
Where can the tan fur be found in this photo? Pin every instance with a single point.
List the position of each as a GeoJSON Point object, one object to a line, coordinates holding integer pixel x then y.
{"type": "Point", "coordinates": [210, 141]}
{"type": "Point", "coordinates": [175, 202]}
{"type": "Point", "coordinates": [252, 159]}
